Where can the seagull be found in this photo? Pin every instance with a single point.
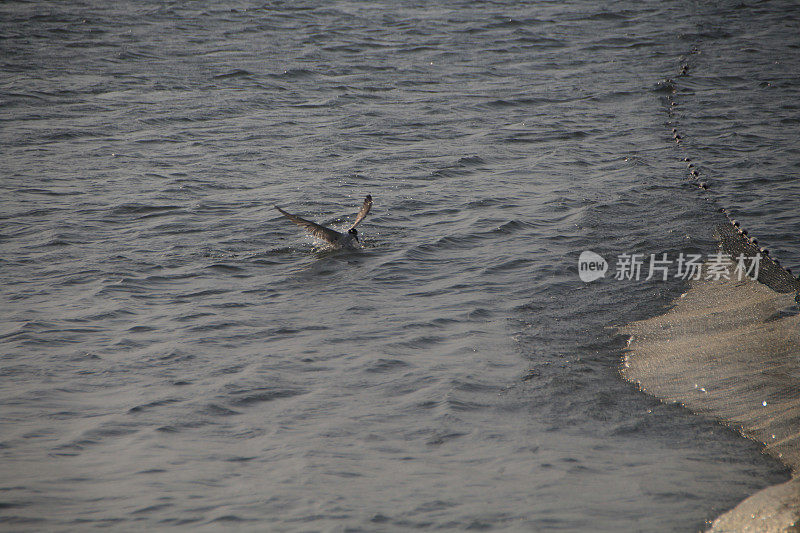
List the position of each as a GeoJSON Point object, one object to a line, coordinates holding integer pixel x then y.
{"type": "Point", "coordinates": [347, 240]}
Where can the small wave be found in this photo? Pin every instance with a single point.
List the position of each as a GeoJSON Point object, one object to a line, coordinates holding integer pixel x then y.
{"type": "Point", "coordinates": [416, 49]}
{"type": "Point", "coordinates": [160, 140]}
{"type": "Point", "coordinates": [107, 315]}
{"type": "Point", "coordinates": [457, 404]}
{"type": "Point", "coordinates": [440, 438]}
{"type": "Point", "coordinates": [501, 103]}
{"type": "Point", "coordinates": [213, 409]}
{"type": "Point", "coordinates": [237, 73]}
{"type": "Point", "coordinates": [506, 228]}
{"type": "Point", "coordinates": [294, 74]}
{"type": "Point", "coordinates": [48, 192]}
{"type": "Point", "coordinates": [544, 43]}
{"type": "Point", "coordinates": [224, 267]}
{"type": "Point", "coordinates": [311, 104]}
{"type": "Point", "coordinates": [59, 242]}
{"type": "Point", "coordinates": [542, 137]}
{"type": "Point", "coordinates": [201, 294]}
{"type": "Point", "coordinates": [488, 202]}
{"type": "Point", "coordinates": [125, 285]}
{"type": "Point", "coordinates": [463, 166]}
{"type": "Point", "coordinates": [231, 519]}
{"type": "Point", "coordinates": [607, 15]}
{"type": "Point", "coordinates": [213, 326]}
{"type": "Point", "coordinates": [421, 342]}
{"type": "Point", "coordinates": [141, 329]}
{"type": "Point", "coordinates": [384, 365]}
{"type": "Point", "coordinates": [142, 209]}
{"type": "Point", "coordinates": [344, 48]}
{"type": "Point", "coordinates": [37, 212]}
{"type": "Point", "coordinates": [128, 54]}
{"type": "Point", "coordinates": [151, 405]}
{"type": "Point", "coordinates": [264, 394]}
{"type": "Point", "coordinates": [67, 135]}
{"type": "Point", "coordinates": [435, 323]}
{"type": "Point", "coordinates": [152, 508]}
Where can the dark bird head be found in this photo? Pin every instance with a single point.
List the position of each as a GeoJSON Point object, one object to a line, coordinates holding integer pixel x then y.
{"type": "Point", "coordinates": [354, 233]}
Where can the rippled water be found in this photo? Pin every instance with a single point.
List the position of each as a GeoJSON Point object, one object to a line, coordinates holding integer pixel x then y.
{"type": "Point", "coordinates": [174, 353]}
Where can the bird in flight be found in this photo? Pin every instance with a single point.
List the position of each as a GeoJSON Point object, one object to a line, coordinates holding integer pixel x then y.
{"type": "Point", "coordinates": [335, 239]}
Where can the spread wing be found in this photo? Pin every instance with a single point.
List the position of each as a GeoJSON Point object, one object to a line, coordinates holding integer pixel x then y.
{"type": "Point", "coordinates": [315, 230]}
{"type": "Point", "coordinates": [365, 207]}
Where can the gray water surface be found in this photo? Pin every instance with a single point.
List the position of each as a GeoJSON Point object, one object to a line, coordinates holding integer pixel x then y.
{"type": "Point", "coordinates": [175, 353]}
